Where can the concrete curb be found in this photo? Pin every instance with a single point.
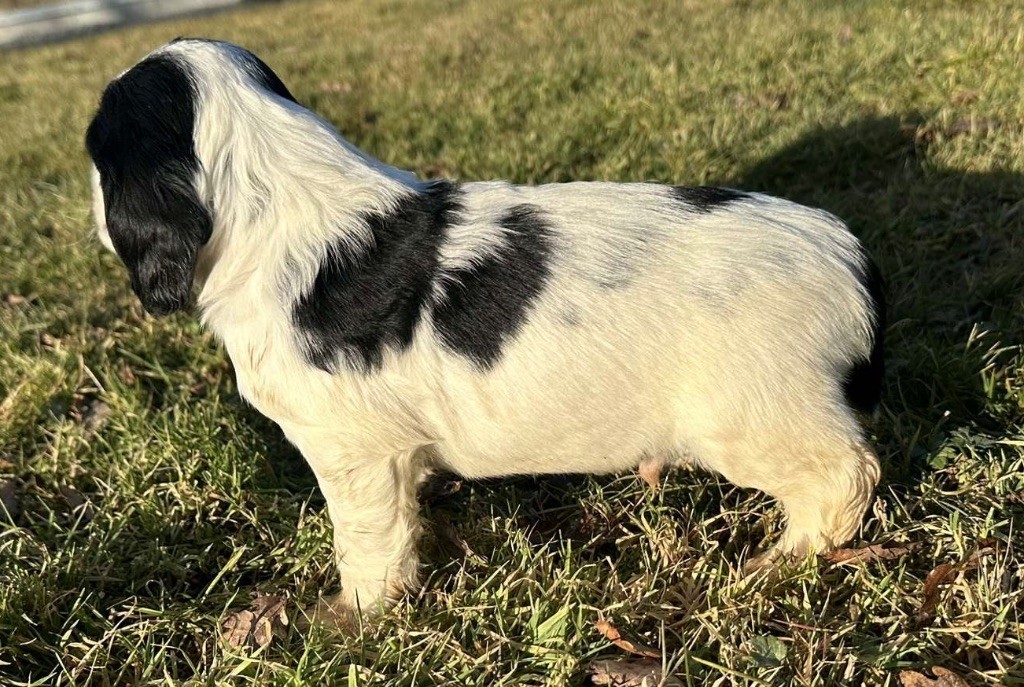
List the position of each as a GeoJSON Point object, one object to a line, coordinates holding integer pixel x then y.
{"type": "Point", "coordinates": [48, 23]}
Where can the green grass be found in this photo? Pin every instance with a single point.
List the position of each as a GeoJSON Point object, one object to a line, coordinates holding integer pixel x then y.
{"type": "Point", "coordinates": [135, 535]}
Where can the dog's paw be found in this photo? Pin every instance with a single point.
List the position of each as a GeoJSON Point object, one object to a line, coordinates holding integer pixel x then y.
{"type": "Point", "coordinates": [766, 561]}
{"type": "Point", "coordinates": [329, 613]}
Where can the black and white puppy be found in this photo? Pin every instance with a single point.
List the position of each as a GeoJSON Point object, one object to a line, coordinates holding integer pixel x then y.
{"type": "Point", "coordinates": [391, 326]}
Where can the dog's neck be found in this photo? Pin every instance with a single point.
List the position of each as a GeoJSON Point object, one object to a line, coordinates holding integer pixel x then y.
{"type": "Point", "coordinates": [283, 187]}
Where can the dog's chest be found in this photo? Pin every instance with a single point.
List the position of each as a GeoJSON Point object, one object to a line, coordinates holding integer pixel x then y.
{"type": "Point", "coordinates": [268, 370]}
{"type": "Point", "coordinates": [350, 409]}
{"type": "Point", "coordinates": [276, 386]}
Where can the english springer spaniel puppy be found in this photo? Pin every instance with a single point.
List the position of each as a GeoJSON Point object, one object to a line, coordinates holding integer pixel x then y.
{"type": "Point", "coordinates": [392, 326]}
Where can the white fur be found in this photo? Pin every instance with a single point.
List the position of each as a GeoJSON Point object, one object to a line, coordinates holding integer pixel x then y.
{"type": "Point", "coordinates": [714, 338]}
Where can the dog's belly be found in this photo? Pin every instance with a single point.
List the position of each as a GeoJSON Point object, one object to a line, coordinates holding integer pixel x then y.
{"type": "Point", "coordinates": [556, 421]}
{"type": "Point", "coordinates": [509, 455]}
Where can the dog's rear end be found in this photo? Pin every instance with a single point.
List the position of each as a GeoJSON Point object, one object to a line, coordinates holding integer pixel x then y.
{"type": "Point", "coordinates": [702, 325]}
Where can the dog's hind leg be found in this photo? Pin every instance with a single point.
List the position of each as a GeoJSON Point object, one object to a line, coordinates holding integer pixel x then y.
{"type": "Point", "coordinates": [825, 503]}
{"type": "Point", "coordinates": [824, 481]}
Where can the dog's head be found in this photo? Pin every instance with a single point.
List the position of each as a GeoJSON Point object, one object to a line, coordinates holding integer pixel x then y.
{"type": "Point", "coordinates": [147, 173]}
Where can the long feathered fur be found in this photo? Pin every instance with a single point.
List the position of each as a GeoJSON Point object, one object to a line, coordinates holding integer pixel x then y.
{"type": "Point", "coordinates": [391, 326]}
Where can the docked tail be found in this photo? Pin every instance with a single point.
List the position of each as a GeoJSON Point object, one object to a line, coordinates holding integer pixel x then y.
{"type": "Point", "coordinates": [863, 384]}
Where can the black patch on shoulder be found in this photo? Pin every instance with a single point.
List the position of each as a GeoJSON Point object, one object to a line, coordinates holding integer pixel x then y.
{"type": "Point", "coordinates": [863, 384]}
{"type": "Point", "coordinates": [141, 142]}
{"type": "Point", "coordinates": [705, 199]}
{"type": "Point", "coordinates": [487, 304]}
{"type": "Point", "coordinates": [364, 303]}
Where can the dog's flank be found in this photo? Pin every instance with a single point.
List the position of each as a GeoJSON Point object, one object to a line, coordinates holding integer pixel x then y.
{"type": "Point", "coordinates": [391, 326]}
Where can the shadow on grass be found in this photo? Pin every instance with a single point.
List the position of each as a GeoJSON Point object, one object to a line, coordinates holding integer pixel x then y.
{"type": "Point", "coordinates": [949, 246]}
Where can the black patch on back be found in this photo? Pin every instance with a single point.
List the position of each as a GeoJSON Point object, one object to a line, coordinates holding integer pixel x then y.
{"type": "Point", "coordinates": [486, 304]}
{"type": "Point", "coordinates": [362, 304]}
{"type": "Point", "coordinates": [863, 384]}
{"type": "Point", "coordinates": [141, 142]}
{"type": "Point", "coordinates": [705, 199]}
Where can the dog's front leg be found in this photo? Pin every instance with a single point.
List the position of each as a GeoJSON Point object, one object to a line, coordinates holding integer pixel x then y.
{"type": "Point", "coordinates": [373, 508]}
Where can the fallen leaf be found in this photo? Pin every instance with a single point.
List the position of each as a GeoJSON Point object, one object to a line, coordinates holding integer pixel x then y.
{"type": "Point", "coordinates": [237, 628]}
{"type": "Point", "coordinates": [939, 576]}
{"type": "Point", "coordinates": [9, 500]}
{"type": "Point", "coordinates": [927, 133]}
{"type": "Point", "coordinates": [773, 101]}
{"type": "Point", "coordinates": [945, 573]}
{"type": "Point", "coordinates": [126, 374]}
{"type": "Point", "coordinates": [633, 646]}
{"type": "Point", "coordinates": [971, 126]}
{"type": "Point", "coordinates": [985, 547]}
{"type": "Point", "coordinates": [256, 627]}
{"type": "Point", "coordinates": [865, 554]}
{"type": "Point", "coordinates": [767, 650]}
{"type": "Point", "coordinates": [943, 678]}
{"type": "Point", "coordinates": [776, 101]}
{"type": "Point", "coordinates": [631, 673]}
{"type": "Point", "coordinates": [72, 497]}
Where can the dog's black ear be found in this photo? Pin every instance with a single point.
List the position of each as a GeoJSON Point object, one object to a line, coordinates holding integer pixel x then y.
{"type": "Point", "coordinates": [141, 141]}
